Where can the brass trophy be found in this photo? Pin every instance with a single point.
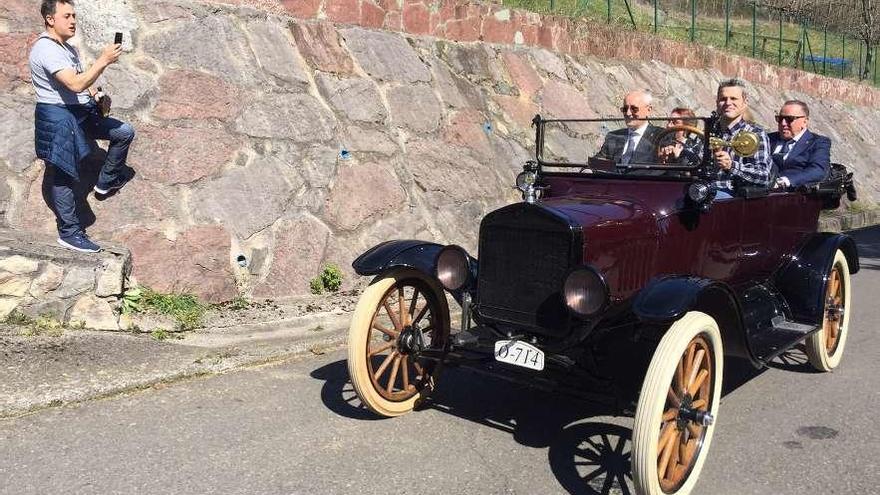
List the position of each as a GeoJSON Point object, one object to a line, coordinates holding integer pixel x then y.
{"type": "Point", "coordinates": [103, 101]}
{"type": "Point", "coordinates": [745, 143]}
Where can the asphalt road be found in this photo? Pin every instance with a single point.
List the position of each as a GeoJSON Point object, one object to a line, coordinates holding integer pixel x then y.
{"type": "Point", "coordinates": [294, 427]}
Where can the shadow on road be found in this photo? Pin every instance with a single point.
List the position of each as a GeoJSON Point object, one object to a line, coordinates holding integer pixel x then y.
{"type": "Point", "coordinates": [588, 454]}
{"type": "Point", "coordinates": [868, 242]}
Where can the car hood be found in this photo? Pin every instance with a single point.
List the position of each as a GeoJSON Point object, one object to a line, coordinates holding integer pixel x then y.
{"type": "Point", "coordinates": [611, 217]}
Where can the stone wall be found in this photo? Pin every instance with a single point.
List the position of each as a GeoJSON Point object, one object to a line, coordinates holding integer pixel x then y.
{"type": "Point", "coordinates": [73, 288]}
{"type": "Point", "coordinates": [303, 132]}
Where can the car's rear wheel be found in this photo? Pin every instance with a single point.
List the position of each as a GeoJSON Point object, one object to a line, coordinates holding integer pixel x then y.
{"type": "Point", "coordinates": [825, 347]}
{"type": "Point", "coordinates": [675, 416]}
{"type": "Point", "coordinates": [398, 317]}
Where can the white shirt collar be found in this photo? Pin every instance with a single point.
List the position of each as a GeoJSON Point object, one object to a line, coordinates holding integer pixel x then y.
{"type": "Point", "coordinates": [799, 135]}
{"type": "Point", "coordinates": [638, 131]}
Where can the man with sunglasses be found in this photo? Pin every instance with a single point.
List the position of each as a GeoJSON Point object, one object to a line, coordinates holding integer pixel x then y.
{"type": "Point", "coordinates": [734, 170]}
{"type": "Point", "coordinates": [635, 143]}
{"type": "Point", "coordinates": [799, 156]}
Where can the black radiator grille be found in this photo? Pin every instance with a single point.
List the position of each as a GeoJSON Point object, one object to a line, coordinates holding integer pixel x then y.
{"type": "Point", "coordinates": [521, 273]}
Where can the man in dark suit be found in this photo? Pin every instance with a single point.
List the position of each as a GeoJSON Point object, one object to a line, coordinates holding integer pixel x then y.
{"type": "Point", "coordinates": [799, 156]}
{"type": "Point", "coordinates": [635, 143]}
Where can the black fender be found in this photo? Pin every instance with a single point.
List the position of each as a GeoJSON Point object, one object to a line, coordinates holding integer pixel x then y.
{"type": "Point", "coordinates": [666, 299]}
{"type": "Point", "coordinates": [801, 280]}
{"type": "Point", "coordinates": [419, 255]}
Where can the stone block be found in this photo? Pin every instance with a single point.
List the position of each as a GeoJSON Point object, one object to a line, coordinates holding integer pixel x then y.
{"type": "Point", "coordinates": [222, 47]}
{"type": "Point", "coordinates": [187, 94]}
{"type": "Point", "coordinates": [297, 252]}
{"type": "Point", "coordinates": [562, 100]}
{"type": "Point", "coordinates": [416, 19]}
{"type": "Point", "coordinates": [372, 15]}
{"type": "Point", "coordinates": [142, 202]}
{"type": "Point", "coordinates": [14, 68]}
{"type": "Point", "coordinates": [7, 306]}
{"type": "Point", "coordinates": [18, 265]}
{"type": "Point", "coordinates": [363, 193]}
{"type": "Point", "coordinates": [355, 98]}
{"type": "Point", "coordinates": [196, 262]}
{"type": "Point", "coordinates": [385, 56]}
{"type": "Point", "coordinates": [246, 200]}
{"type": "Point", "coordinates": [93, 312]}
{"type": "Point", "coordinates": [522, 73]}
{"type": "Point", "coordinates": [18, 16]}
{"type": "Point", "coordinates": [455, 91]}
{"type": "Point", "coordinates": [127, 85]}
{"type": "Point", "coordinates": [77, 280]}
{"type": "Point", "coordinates": [297, 117]}
{"type": "Point", "coordinates": [550, 63]}
{"type": "Point", "coordinates": [414, 107]}
{"type": "Point", "coordinates": [17, 152]}
{"type": "Point", "coordinates": [48, 280]}
{"type": "Point", "coordinates": [344, 11]}
{"type": "Point", "coordinates": [275, 53]}
{"type": "Point", "coordinates": [476, 63]}
{"type": "Point", "coordinates": [319, 45]}
{"type": "Point", "coordinates": [363, 140]}
{"type": "Point", "coordinates": [179, 155]}
{"type": "Point", "coordinates": [110, 278]}
{"type": "Point", "coordinates": [518, 112]}
{"type": "Point", "coordinates": [304, 9]}
{"type": "Point", "coordinates": [467, 129]}
{"type": "Point", "coordinates": [16, 285]}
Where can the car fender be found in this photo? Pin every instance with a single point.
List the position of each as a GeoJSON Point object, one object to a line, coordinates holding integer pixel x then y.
{"type": "Point", "coordinates": [801, 280]}
{"type": "Point", "coordinates": [419, 255]}
{"type": "Point", "coordinates": [667, 298]}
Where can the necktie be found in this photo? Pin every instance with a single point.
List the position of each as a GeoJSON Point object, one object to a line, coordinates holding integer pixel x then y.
{"type": "Point", "coordinates": [778, 158]}
{"type": "Point", "coordinates": [630, 148]}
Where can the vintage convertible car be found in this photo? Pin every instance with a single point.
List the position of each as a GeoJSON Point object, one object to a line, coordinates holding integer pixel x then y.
{"type": "Point", "coordinates": [603, 258]}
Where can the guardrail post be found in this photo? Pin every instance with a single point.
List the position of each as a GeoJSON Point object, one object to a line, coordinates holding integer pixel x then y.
{"type": "Point", "coordinates": [693, 20]}
{"type": "Point", "coordinates": [860, 60]}
{"type": "Point", "coordinates": [824, 49]}
{"type": "Point", "coordinates": [655, 17]}
{"type": "Point", "coordinates": [779, 56]}
{"type": "Point", "coordinates": [726, 23]}
{"type": "Point", "coordinates": [754, 28]}
{"type": "Point", "coordinates": [609, 11]}
{"type": "Point", "coordinates": [843, 57]}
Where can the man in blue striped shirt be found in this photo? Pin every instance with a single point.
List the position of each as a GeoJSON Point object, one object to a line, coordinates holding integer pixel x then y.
{"type": "Point", "coordinates": [735, 170]}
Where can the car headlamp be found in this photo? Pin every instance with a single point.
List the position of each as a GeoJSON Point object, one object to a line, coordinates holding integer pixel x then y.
{"type": "Point", "coordinates": [453, 267]}
{"type": "Point", "coordinates": [585, 292]}
{"type": "Point", "coordinates": [526, 180]}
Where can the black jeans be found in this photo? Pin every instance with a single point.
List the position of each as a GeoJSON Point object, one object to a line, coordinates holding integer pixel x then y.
{"type": "Point", "coordinates": [64, 187]}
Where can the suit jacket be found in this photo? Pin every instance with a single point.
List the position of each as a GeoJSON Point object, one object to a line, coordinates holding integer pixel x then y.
{"type": "Point", "coordinates": [615, 141]}
{"type": "Point", "coordinates": [808, 162]}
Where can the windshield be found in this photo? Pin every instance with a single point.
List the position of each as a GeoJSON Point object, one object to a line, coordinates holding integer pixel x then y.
{"type": "Point", "coordinates": [670, 146]}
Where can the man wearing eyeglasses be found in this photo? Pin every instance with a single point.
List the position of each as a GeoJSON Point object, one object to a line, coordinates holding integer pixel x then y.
{"type": "Point", "coordinates": [635, 143]}
{"type": "Point", "coordinates": [800, 156]}
{"type": "Point", "coordinates": [734, 170]}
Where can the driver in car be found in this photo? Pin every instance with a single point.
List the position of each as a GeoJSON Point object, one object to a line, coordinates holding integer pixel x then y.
{"type": "Point", "coordinates": [735, 170]}
{"type": "Point", "coordinates": [681, 148]}
{"type": "Point", "coordinates": [635, 143]}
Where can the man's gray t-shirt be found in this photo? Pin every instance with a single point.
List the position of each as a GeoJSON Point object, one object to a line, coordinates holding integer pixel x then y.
{"type": "Point", "coordinates": [48, 57]}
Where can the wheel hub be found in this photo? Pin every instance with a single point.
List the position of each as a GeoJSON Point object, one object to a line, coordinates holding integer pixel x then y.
{"type": "Point", "coordinates": [688, 414]}
{"type": "Point", "coordinates": [409, 341]}
{"type": "Point", "coordinates": [834, 311]}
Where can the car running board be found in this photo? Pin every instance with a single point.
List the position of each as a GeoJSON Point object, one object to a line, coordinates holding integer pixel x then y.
{"type": "Point", "coordinates": [779, 337]}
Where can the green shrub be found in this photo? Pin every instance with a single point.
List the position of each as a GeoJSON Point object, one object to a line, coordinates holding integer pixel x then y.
{"type": "Point", "coordinates": [330, 279]}
{"type": "Point", "coordinates": [185, 308]}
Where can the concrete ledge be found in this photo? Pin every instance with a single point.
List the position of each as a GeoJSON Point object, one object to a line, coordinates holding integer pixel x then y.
{"type": "Point", "coordinates": [849, 220]}
{"type": "Point", "coordinates": [40, 278]}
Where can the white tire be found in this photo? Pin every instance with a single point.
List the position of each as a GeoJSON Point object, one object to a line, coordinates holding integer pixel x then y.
{"type": "Point", "coordinates": [825, 347]}
{"type": "Point", "coordinates": [669, 449]}
{"type": "Point", "coordinates": [387, 376]}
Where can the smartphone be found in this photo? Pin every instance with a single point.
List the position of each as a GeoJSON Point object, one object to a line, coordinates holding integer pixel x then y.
{"type": "Point", "coordinates": [117, 40]}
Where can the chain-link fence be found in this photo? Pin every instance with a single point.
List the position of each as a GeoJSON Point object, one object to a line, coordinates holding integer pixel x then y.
{"type": "Point", "coordinates": [745, 27]}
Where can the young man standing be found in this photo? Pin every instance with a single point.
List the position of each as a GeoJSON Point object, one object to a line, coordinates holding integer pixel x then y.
{"type": "Point", "coordinates": [67, 114]}
{"type": "Point", "coordinates": [732, 104]}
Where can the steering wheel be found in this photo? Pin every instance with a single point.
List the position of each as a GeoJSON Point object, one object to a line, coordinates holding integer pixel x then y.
{"type": "Point", "coordinates": [663, 146]}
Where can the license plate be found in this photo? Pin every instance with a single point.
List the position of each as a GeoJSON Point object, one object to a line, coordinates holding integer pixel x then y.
{"type": "Point", "coordinates": [519, 353]}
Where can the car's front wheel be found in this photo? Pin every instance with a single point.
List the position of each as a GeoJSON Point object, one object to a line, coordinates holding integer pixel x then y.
{"type": "Point", "coordinates": [825, 347]}
{"type": "Point", "coordinates": [400, 317]}
{"type": "Point", "coordinates": [675, 416]}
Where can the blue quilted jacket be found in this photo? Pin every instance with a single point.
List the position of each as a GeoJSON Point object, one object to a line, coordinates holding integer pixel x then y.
{"type": "Point", "coordinates": [58, 138]}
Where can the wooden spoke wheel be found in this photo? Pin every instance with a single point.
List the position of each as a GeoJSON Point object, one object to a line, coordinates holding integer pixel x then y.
{"type": "Point", "coordinates": [825, 347]}
{"type": "Point", "coordinates": [401, 315]}
{"type": "Point", "coordinates": [675, 416]}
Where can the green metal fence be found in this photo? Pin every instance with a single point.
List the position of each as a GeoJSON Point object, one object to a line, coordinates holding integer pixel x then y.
{"type": "Point", "coordinates": [741, 26]}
